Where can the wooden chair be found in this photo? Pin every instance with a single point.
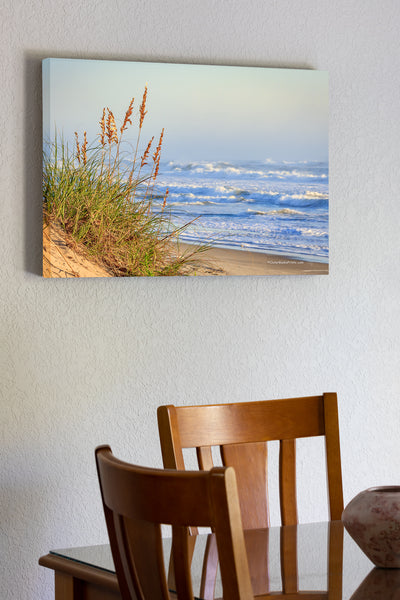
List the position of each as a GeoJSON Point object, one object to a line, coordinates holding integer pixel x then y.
{"type": "Point", "coordinates": [137, 500]}
{"type": "Point", "coordinates": [242, 431]}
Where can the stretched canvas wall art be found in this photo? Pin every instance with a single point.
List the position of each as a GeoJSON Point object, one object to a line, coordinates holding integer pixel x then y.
{"type": "Point", "coordinates": [154, 169]}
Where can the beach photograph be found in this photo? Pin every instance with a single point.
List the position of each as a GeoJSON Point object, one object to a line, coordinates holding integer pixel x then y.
{"type": "Point", "coordinates": [160, 169]}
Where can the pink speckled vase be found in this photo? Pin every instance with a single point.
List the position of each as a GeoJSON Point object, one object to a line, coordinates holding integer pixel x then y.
{"type": "Point", "coordinates": [372, 519]}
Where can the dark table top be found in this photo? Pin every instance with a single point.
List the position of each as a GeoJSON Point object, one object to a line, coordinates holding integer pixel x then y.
{"type": "Point", "coordinates": [309, 557]}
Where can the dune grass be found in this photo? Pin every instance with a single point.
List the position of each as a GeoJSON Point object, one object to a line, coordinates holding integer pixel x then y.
{"type": "Point", "coordinates": [110, 207]}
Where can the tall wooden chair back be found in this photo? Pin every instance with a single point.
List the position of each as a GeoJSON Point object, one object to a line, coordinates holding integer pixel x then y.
{"type": "Point", "coordinates": [137, 500]}
{"type": "Point", "coordinates": [242, 431]}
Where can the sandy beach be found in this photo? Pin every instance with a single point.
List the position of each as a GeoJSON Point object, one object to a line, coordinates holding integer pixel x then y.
{"type": "Point", "coordinates": [62, 257]}
{"type": "Point", "coordinates": [223, 261]}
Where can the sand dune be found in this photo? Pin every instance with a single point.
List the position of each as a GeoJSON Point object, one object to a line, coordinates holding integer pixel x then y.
{"type": "Point", "coordinates": [64, 258]}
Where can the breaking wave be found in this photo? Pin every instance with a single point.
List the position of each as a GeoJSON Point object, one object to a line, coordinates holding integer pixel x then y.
{"type": "Point", "coordinates": [268, 206]}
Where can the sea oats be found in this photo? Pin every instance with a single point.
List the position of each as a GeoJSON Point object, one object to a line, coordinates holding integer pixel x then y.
{"type": "Point", "coordinates": [102, 124]}
{"type": "Point", "coordinates": [112, 134]}
{"type": "Point", "coordinates": [84, 147]}
{"type": "Point", "coordinates": [142, 109]}
{"type": "Point", "coordinates": [113, 210]}
{"type": "Point", "coordinates": [78, 150]}
{"type": "Point", "coordinates": [157, 155]}
{"type": "Point", "coordinates": [128, 115]}
{"type": "Point", "coordinates": [146, 153]}
{"type": "Point", "coordinates": [165, 200]}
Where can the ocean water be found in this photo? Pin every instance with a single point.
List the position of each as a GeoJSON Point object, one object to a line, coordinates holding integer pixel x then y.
{"type": "Point", "coordinates": [263, 206]}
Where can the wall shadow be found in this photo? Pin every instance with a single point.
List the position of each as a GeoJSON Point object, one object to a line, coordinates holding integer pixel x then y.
{"type": "Point", "coordinates": [32, 163]}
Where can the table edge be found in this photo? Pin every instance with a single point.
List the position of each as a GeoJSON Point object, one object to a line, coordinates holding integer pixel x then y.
{"type": "Point", "coordinates": [80, 571]}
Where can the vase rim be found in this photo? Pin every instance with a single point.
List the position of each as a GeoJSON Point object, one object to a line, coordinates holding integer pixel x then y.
{"type": "Point", "coordinates": [385, 489]}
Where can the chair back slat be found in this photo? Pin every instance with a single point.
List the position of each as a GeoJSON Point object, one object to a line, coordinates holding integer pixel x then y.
{"type": "Point", "coordinates": [204, 458]}
{"type": "Point", "coordinates": [287, 482]}
{"type": "Point", "coordinates": [137, 500]}
{"type": "Point", "coordinates": [250, 464]}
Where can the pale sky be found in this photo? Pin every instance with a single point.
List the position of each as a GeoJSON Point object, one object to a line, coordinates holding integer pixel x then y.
{"type": "Point", "coordinates": [208, 112]}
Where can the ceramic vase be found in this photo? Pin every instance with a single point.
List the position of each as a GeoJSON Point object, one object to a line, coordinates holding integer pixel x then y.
{"type": "Point", "coordinates": [372, 519]}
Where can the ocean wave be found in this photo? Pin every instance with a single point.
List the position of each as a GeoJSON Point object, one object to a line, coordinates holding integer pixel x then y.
{"type": "Point", "coordinates": [295, 162]}
{"type": "Point", "coordinates": [224, 189]}
{"type": "Point", "coordinates": [214, 167]}
{"type": "Point", "coordinates": [257, 212]}
{"type": "Point", "coordinates": [262, 235]}
{"type": "Point", "coordinates": [183, 185]}
{"type": "Point", "coordinates": [272, 161]}
{"type": "Point", "coordinates": [249, 195]}
{"type": "Point", "coordinates": [282, 211]}
{"type": "Point", "coordinates": [267, 193]}
{"type": "Point", "coordinates": [198, 167]}
{"type": "Point", "coordinates": [203, 186]}
{"type": "Point", "coordinates": [295, 173]}
{"type": "Point", "coordinates": [240, 199]}
{"type": "Point", "coordinates": [257, 169]}
{"type": "Point", "coordinates": [313, 232]}
{"type": "Point", "coordinates": [240, 192]}
{"type": "Point", "coordinates": [285, 211]}
{"type": "Point", "coordinates": [203, 197]}
{"type": "Point", "coordinates": [265, 205]}
{"type": "Point", "coordinates": [193, 203]}
{"type": "Point", "coordinates": [228, 170]}
{"type": "Point", "coordinates": [309, 195]}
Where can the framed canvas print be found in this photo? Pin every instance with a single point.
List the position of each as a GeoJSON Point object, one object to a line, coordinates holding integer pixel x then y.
{"type": "Point", "coordinates": [155, 169]}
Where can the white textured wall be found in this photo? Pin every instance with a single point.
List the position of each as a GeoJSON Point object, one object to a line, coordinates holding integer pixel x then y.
{"type": "Point", "coordinates": [88, 361]}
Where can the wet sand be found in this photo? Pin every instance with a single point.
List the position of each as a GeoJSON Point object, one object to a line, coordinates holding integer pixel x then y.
{"type": "Point", "coordinates": [223, 261]}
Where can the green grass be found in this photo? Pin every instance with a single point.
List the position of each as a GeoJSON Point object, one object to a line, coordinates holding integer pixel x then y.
{"type": "Point", "coordinates": [109, 208]}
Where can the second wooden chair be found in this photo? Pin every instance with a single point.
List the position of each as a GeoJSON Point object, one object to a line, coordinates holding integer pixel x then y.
{"type": "Point", "coordinates": [242, 431]}
{"type": "Point", "coordinates": [137, 500]}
